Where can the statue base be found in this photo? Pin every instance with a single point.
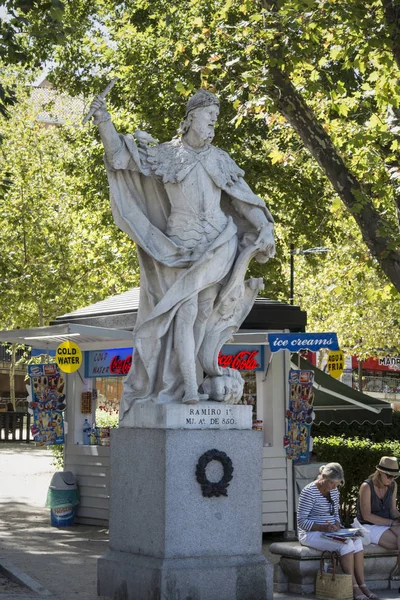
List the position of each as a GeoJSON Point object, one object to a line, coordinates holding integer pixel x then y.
{"type": "Point", "coordinates": [173, 533]}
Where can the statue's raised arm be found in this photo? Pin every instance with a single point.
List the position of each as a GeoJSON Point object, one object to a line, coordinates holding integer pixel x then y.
{"type": "Point", "coordinates": [102, 118]}
{"type": "Point", "coordinates": [197, 225]}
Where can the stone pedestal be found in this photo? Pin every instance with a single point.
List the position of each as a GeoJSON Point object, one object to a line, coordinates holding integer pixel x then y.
{"type": "Point", "coordinates": [167, 540]}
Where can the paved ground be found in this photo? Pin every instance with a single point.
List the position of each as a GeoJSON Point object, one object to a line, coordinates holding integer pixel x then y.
{"type": "Point", "coordinates": [58, 564]}
{"type": "Point", "coordinates": [63, 562]}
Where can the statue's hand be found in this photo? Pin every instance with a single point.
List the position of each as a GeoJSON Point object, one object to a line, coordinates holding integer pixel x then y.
{"type": "Point", "coordinates": [266, 240]}
{"type": "Point", "coordinates": [100, 110]}
{"type": "Point", "coordinates": [143, 138]}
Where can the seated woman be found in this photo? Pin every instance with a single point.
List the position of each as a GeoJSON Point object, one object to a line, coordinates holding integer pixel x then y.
{"type": "Point", "coordinates": [318, 513]}
{"type": "Point", "coordinates": [376, 507]}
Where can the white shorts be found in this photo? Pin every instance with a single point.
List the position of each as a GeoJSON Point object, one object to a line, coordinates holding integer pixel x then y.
{"type": "Point", "coordinates": [375, 532]}
{"type": "Point", "coordinates": [315, 539]}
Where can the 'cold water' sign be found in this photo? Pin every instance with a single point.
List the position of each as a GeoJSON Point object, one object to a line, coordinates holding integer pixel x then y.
{"type": "Point", "coordinates": [68, 357]}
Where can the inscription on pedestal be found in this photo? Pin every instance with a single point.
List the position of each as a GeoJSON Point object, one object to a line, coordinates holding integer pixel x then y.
{"type": "Point", "coordinates": [204, 415]}
{"type": "Point", "coordinates": [209, 417]}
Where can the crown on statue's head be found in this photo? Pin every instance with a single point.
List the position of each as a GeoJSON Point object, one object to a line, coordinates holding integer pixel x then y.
{"type": "Point", "coordinates": [200, 99]}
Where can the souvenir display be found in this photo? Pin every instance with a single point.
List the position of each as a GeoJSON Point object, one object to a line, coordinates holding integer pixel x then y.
{"type": "Point", "coordinates": [299, 415]}
{"type": "Point", "coordinates": [47, 404]}
{"type": "Point", "coordinates": [48, 427]}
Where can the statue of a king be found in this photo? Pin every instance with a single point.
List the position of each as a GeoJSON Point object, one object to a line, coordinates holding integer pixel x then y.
{"type": "Point", "coordinates": [197, 225]}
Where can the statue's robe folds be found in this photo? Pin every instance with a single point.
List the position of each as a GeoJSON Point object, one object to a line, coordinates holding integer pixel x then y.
{"type": "Point", "coordinates": [143, 180]}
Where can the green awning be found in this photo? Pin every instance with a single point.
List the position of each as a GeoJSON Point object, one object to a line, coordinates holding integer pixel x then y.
{"type": "Point", "coordinates": [336, 402]}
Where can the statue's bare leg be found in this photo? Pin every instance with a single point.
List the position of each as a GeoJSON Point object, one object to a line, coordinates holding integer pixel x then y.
{"type": "Point", "coordinates": [205, 307]}
{"type": "Point", "coordinates": [185, 348]}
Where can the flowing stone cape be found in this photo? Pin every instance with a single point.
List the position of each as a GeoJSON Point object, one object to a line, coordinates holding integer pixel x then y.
{"type": "Point", "coordinates": [170, 275]}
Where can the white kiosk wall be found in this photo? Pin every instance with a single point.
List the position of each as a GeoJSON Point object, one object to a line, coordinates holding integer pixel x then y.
{"type": "Point", "coordinates": [90, 464]}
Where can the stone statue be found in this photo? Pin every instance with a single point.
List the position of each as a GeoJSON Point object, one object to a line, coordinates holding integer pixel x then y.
{"type": "Point", "coordinates": [197, 225]}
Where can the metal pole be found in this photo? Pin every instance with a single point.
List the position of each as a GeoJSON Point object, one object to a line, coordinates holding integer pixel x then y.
{"type": "Point", "coordinates": [360, 374]}
{"type": "Point", "coordinates": [291, 273]}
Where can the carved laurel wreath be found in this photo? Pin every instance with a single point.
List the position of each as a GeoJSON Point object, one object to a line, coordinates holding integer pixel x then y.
{"type": "Point", "coordinates": [214, 488]}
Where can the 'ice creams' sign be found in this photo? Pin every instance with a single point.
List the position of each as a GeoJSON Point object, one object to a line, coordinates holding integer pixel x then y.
{"type": "Point", "coordinates": [294, 342]}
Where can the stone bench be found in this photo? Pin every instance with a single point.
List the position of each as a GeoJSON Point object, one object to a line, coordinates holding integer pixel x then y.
{"type": "Point", "coordinates": [298, 565]}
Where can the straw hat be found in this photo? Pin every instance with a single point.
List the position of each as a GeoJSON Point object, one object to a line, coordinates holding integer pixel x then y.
{"type": "Point", "coordinates": [389, 465]}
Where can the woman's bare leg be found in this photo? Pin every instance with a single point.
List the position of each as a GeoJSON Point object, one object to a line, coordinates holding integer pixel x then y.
{"type": "Point", "coordinates": [359, 567]}
{"type": "Point", "coordinates": [391, 541]}
{"type": "Point", "coordinates": [359, 574]}
{"type": "Point", "coordinates": [353, 564]}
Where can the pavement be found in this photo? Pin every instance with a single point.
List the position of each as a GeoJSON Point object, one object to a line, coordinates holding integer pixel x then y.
{"type": "Point", "coordinates": [54, 563]}
{"type": "Point", "coordinates": [38, 561]}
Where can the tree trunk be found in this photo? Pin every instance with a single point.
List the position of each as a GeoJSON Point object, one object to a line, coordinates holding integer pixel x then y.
{"type": "Point", "coordinates": [392, 16]}
{"type": "Point", "coordinates": [292, 106]}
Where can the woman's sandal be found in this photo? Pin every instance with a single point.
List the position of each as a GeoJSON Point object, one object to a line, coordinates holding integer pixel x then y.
{"type": "Point", "coordinates": [360, 596]}
{"type": "Point", "coordinates": [370, 595]}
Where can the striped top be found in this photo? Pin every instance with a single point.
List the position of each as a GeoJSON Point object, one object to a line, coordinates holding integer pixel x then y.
{"type": "Point", "coordinates": [313, 508]}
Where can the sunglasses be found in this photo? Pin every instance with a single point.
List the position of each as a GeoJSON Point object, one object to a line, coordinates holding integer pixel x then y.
{"type": "Point", "coordinates": [390, 476]}
{"type": "Point", "coordinates": [332, 506]}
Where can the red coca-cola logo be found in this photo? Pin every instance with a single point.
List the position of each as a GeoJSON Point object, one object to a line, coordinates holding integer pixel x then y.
{"type": "Point", "coordinates": [120, 366]}
{"type": "Point", "coordinates": [242, 361]}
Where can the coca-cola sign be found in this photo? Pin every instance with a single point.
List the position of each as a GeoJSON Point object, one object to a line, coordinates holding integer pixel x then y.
{"type": "Point", "coordinates": [242, 358]}
{"type": "Point", "coordinates": [120, 366]}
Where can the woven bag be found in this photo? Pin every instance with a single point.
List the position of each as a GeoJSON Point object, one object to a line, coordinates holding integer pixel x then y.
{"type": "Point", "coordinates": [333, 586]}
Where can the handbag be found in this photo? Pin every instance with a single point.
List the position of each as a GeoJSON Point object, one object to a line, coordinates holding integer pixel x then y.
{"type": "Point", "coordinates": [365, 535]}
{"type": "Point", "coordinates": [333, 586]}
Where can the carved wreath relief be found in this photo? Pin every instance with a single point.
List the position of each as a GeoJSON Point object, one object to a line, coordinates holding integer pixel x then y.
{"type": "Point", "coordinates": [214, 488]}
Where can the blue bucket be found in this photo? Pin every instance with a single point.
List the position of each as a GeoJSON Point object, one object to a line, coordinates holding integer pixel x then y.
{"type": "Point", "coordinates": [62, 516]}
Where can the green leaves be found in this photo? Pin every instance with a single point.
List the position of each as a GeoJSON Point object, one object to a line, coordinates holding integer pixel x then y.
{"type": "Point", "coordinates": [59, 248]}
{"type": "Point", "coordinates": [339, 57]}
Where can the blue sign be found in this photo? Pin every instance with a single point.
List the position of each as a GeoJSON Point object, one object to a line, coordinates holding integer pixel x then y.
{"type": "Point", "coordinates": [114, 362]}
{"type": "Point", "coordinates": [294, 342]}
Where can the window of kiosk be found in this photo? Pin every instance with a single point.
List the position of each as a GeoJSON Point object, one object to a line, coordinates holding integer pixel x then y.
{"type": "Point", "coordinates": [108, 392]}
{"type": "Point", "coordinates": [247, 359]}
{"type": "Point", "coordinates": [250, 390]}
{"type": "Point", "coordinates": [106, 396]}
{"type": "Point", "coordinates": [105, 371]}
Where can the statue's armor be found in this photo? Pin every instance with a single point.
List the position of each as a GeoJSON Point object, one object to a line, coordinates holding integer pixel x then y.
{"type": "Point", "coordinates": [196, 218]}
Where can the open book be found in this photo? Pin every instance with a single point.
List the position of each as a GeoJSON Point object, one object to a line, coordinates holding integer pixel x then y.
{"type": "Point", "coordinates": [343, 533]}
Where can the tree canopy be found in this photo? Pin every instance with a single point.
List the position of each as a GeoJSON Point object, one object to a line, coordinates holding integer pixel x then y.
{"type": "Point", "coordinates": [58, 248]}
{"type": "Point", "coordinates": [310, 110]}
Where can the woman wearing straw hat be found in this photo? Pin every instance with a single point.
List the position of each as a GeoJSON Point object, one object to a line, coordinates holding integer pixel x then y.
{"type": "Point", "coordinates": [318, 514]}
{"type": "Point", "coordinates": [377, 510]}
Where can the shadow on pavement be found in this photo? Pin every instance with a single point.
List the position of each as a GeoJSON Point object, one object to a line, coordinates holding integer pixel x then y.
{"type": "Point", "coordinates": [63, 561]}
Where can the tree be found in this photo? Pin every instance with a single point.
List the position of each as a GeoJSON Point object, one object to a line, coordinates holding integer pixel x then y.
{"type": "Point", "coordinates": [58, 250]}
{"type": "Point", "coordinates": [344, 291]}
{"type": "Point", "coordinates": [309, 91]}
{"type": "Point", "coordinates": [30, 31]}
